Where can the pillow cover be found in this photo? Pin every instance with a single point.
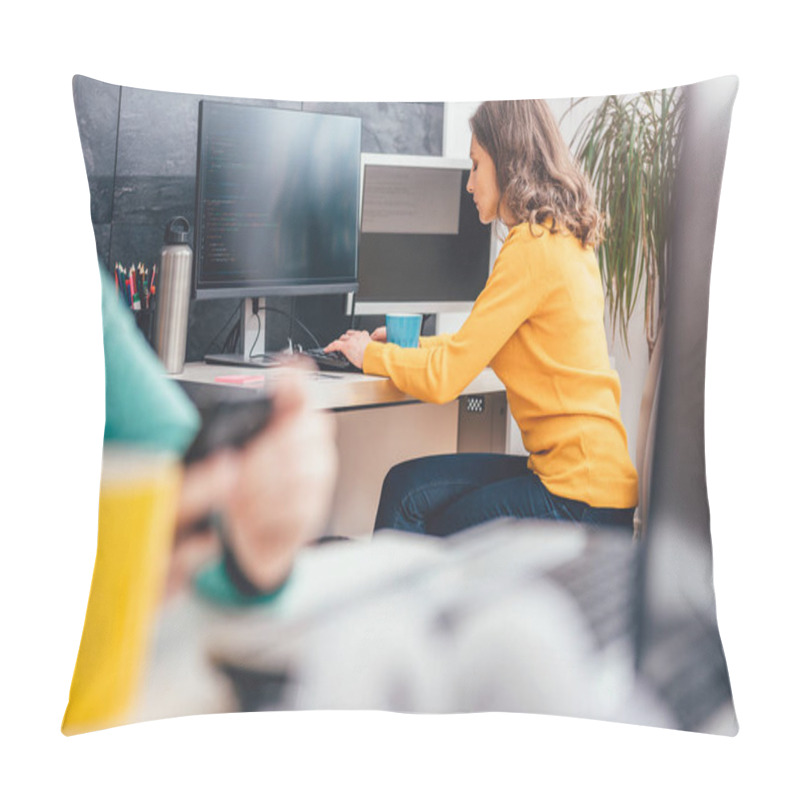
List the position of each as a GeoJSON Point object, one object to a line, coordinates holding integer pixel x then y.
{"type": "Point", "coordinates": [514, 616]}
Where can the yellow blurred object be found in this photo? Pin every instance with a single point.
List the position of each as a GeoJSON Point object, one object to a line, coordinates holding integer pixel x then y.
{"type": "Point", "coordinates": [138, 503]}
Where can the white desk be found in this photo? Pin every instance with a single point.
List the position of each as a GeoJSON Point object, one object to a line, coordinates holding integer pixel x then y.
{"type": "Point", "coordinates": [336, 391]}
{"type": "Point", "coordinates": [377, 426]}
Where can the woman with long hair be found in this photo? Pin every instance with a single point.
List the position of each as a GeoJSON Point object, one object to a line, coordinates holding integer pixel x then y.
{"type": "Point", "coordinates": [539, 324]}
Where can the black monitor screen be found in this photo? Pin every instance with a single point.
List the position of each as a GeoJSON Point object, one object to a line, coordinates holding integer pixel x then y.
{"type": "Point", "coordinates": [422, 244]}
{"type": "Point", "coordinates": [276, 203]}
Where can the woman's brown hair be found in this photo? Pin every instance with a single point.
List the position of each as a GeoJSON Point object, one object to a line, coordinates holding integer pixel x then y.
{"type": "Point", "coordinates": [536, 174]}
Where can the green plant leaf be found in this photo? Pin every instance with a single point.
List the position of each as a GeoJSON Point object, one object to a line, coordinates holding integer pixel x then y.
{"type": "Point", "coordinates": [629, 146]}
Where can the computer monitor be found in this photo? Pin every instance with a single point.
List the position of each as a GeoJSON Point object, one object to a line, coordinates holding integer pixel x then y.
{"type": "Point", "coordinates": [276, 202]}
{"type": "Point", "coordinates": [422, 247]}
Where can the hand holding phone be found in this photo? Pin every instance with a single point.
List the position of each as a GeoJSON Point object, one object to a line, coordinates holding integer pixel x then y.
{"type": "Point", "coordinates": [230, 424]}
{"type": "Point", "coordinates": [278, 483]}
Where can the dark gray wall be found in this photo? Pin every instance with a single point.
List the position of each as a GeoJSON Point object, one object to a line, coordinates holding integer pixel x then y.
{"type": "Point", "coordinates": [140, 148]}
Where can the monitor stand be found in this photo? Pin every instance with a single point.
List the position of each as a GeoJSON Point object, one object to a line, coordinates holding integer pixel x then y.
{"type": "Point", "coordinates": [238, 360]}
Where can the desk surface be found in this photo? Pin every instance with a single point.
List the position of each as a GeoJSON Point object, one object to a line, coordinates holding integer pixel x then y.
{"type": "Point", "coordinates": [329, 390]}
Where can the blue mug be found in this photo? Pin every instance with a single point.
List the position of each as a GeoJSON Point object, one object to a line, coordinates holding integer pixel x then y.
{"type": "Point", "coordinates": [403, 329]}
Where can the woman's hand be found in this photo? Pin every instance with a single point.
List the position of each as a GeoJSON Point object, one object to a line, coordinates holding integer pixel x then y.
{"type": "Point", "coordinates": [352, 344]}
{"type": "Point", "coordinates": [379, 334]}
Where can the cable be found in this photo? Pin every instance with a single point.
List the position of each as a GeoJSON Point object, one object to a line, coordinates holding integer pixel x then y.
{"type": "Point", "coordinates": [293, 319]}
{"type": "Point", "coordinates": [232, 340]}
{"type": "Point", "coordinates": [291, 324]}
{"type": "Point", "coordinates": [255, 340]}
{"type": "Point", "coordinates": [224, 325]}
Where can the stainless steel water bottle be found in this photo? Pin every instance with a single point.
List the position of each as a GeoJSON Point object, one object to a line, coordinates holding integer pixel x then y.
{"type": "Point", "coordinates": [173, 291]}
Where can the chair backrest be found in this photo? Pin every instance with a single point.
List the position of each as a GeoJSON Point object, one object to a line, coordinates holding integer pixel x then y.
{"type": "Point", "coordinates": [676, 637]}
{"type": "Point", "coordinates": [675, 582]}
{"type": "Point", "coordinates": [677, 497]}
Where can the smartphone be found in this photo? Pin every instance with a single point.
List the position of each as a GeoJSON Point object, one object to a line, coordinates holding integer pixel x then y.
{"type": "Point", "coordinates": [229, 424]}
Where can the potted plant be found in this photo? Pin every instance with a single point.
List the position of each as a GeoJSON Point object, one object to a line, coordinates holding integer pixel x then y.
{"type": "Point", "coordinates": [628, 147]}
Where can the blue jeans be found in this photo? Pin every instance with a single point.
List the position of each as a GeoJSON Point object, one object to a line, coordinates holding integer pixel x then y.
{"type": "Point", "coordinates": [440, 495]}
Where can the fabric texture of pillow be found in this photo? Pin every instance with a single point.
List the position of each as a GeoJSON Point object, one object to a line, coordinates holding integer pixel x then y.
{"type": "Point", "coordinates": [549, 618]}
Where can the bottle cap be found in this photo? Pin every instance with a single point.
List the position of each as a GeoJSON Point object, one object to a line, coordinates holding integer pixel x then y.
{"type": "Point", "coordinates": [177, 231]}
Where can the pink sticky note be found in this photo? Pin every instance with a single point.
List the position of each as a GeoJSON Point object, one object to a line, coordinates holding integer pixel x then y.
{"type": "Point", "coordinates": [240, 380]}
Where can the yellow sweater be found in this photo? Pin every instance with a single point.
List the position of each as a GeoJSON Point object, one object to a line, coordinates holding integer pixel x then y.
{"type": "Point", "coordinates": [539, 324]}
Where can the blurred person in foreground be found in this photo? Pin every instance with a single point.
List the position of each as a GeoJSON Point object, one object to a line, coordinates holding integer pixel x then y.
{"type": "Point", "coordinates": [260, 492]}
{"type": "Point", "coordinates": [262, 489]}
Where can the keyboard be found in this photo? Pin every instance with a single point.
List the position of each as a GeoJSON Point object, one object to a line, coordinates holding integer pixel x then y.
{"type": "Point", "coordinates": [329, 361]}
